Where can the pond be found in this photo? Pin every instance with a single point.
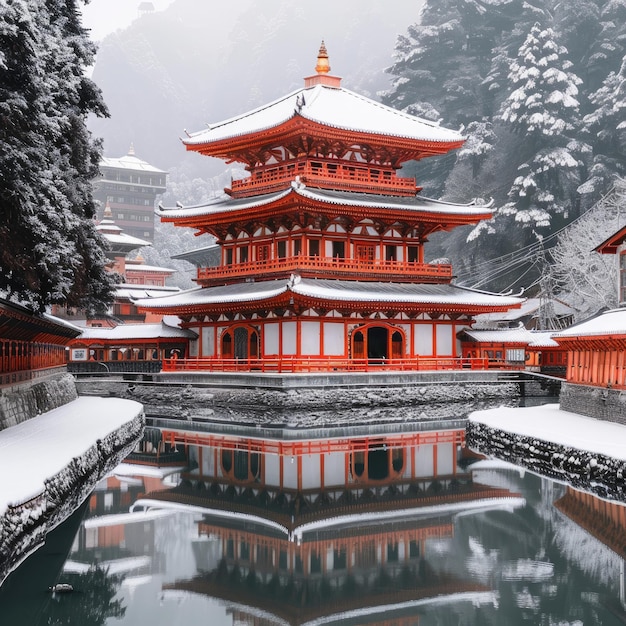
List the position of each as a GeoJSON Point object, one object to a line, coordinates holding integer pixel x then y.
{"type": "Point", "coordinates": [381, 528]}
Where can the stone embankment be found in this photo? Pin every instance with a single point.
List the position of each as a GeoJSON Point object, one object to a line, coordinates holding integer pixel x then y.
{"type": "Point", "coordinates": [600, 402]}
{"type": "Point", "coordinates": [310, 406]}
{"type": "Point", "coordinates": [591, 471]}
{"type": "Point", "coordinates": [26, 400]}
{"type": "Point", "coordinates": [65, 469]}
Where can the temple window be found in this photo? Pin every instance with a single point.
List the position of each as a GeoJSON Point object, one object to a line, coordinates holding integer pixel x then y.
{"type": "Point", "coordinates": [281, 248]}
{"type": "Point", "coordinates": [314, 247]}
{"type": "Point", "coordinates": [391, 253]}
{"type": "Point", "coordinates": [412, 254]}
{"type": "Point", "coordinates": [338, 248]}
{"type": "Point", "coordinates": [297, 247]}
{"type": "Point", "coordinates": [228, 256]}
{"type": "Point", "coordinates": [243, 254]}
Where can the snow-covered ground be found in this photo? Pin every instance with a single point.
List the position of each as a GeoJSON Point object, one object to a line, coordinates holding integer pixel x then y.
{"type": "Point", "coordinates": [41, 447]}
{"type": "Point", "coordinates": [587, 453]}
{"type": "Point", "coordinates": [550, 423]}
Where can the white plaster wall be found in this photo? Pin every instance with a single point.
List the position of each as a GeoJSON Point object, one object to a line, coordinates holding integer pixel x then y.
{"type": "Point", "coordinates": [310, 338]}
{"type": "Point", "coordinates": [407, 336]}
{"type": "Point", "coordinates": [334, 469]}
{"type": "Point", "coordinates": [311, 472]}
{"type": "Point", "coordinates": [270, 338]}
{"type": "Point", "coordinates": [333, 339]}
{"type": "Point", "coordinates": [290, 472]}
{"type": "Point", "coordinates": [289, 338]}
{"type": "Point", "coordinates": [445, 459]}
{"type": "Point", "coordinates": [424, 460]}
{"type": "Point", "coordinates": [208, 341]}
{"type": "Point", "coordinates": [444, 340]}
{"type": "Point", "coordinates": [424, 339]}
{"type": "Point", "coordinates": [193, 345]}
{"type": "Point", "coordinates": [272, 470]}
{"type": "Point", "coordinates": [208, 462]}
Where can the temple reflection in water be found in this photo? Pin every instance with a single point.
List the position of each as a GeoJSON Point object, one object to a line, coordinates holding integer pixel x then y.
{"type": "Point", "coordinates": [401, 528]}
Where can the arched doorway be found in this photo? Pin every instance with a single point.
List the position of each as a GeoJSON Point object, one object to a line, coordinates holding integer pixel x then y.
{"type": "Point", "coordinates": [241, 342]}
{"type": "Point", "coordinates": [377, 343]}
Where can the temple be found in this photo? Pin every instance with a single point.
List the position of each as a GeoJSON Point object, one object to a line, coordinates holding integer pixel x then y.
{"type": "Point", "coordinates": [322, 263]}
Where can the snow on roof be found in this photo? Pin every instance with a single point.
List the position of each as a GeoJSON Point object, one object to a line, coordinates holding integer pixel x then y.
{"type": "Point", "coordinates": [529, 308]}
{"type": "Point", "coordinates": [332, 290]}
{"type": "Point", "coordinates": [550, 423]}
{"type": "Point", "coordinates": [608, 323]}
{"type": "Point", "coordinates": [513, 335]}
{"type": "Point", "coordinates": [52, 440]}
{"type": "Point", "coordinates": [131, 266]}
{"type": "Point", "coordinates": [137, 331]}
{"type": "Point", "coordinates": [506, 335]}
{"type": "Point", "coordinates": [329, 106]}
{"type": "Point", "coordinates": [129, 162]}
{"type": "Point", "coordinates": [126, 290]}
{"type": "Point", "coordinates": [418, 204]}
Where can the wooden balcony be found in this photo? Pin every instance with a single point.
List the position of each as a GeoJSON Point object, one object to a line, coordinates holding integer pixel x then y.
{"type": "Point", "coordinates": [291, 364]}
{"type": "Point", "coordinates": [399, 271]}
{"type": "Point", "coordinates": [325, 174]}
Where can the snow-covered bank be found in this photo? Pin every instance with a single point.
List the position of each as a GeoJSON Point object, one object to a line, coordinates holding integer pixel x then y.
{"type": "Point", "coordinates": [571, 448]}
{"type": "Point", "coordinates": [50, 463]}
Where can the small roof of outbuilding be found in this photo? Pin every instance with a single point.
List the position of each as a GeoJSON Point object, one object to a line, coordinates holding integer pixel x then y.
{"type": "Point", "coordinates": [137, 331]}
{"type": "Point", "coordinates": [611, 322]}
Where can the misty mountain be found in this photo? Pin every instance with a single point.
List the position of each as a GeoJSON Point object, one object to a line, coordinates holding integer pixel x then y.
{"type": "Point", "coordinates": [201, 62]}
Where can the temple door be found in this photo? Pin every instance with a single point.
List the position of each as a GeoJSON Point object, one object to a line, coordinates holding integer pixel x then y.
{"type": "Point", "coordinates": [241, 343]}
{"type": "Point", "coordinates": [396, 345]}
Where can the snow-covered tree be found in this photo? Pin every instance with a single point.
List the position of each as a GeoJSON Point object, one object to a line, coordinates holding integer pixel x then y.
{"type": "Point", "coordinates": [607, 125]}
{"type": "Point", "coordinates": [50, 252]}
{"type": "Point", "coordinates": [543, 108]}
{"type": "Point", "coordinates": [584, 278]}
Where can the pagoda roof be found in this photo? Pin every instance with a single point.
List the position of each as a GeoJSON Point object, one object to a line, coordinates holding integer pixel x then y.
{"type": "Point", "coordinates": [329, 106]}
{"type": "Point", "coordinates": [444, 295]}
{"type": "Point", "coordinates": [417, 205]}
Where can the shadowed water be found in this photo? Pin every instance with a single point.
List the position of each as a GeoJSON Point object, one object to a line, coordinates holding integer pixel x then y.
{"type": "Point", "coordinates": [347, 527]}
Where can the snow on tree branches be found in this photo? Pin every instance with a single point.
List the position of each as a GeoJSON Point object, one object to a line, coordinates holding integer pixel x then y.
{"type": "Point", "coordinates": [50, 252]}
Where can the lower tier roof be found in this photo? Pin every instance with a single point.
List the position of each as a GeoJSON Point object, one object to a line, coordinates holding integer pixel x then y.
{"type": "Point", "coordinates": [330, 291]}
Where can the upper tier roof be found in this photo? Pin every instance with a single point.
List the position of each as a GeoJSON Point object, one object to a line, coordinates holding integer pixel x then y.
{"type": "Point", "coordinates": [329, 106]}
{"type": "Point", "coordinates": [412, 204]}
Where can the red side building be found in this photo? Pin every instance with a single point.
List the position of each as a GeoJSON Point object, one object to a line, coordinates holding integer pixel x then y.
{"type": "Point", "coordinates": [322, 245]}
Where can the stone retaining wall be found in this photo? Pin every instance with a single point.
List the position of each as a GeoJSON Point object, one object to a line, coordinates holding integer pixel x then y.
{"type": "Point", "coordinates": [599, 402]}
{"type": "Point", "coordinates": [592, 472]}
{"type": "Point", "coordinates": [21, 402]}
{"type": "Point", "coordinates": [305, 407]}
{"type": "Point", "coordinates": [23, 527]}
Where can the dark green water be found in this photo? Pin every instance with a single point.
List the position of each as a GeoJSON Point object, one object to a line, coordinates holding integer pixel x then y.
{"type": "Point", "coordinates": [400, 532]}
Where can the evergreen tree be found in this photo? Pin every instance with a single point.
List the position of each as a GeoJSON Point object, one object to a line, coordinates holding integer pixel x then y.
{"type": "Point", "coordinates": [544, 109]}
{"type": "Point", "coordinates": [51, 252]}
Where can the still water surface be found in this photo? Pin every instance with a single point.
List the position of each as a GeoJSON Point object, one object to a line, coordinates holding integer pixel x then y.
{"type": "Point", "coordinates": [384, 529]}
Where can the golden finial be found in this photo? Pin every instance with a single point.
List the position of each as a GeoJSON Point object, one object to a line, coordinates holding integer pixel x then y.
{"type": "Point", "coordinates": [323, 66]}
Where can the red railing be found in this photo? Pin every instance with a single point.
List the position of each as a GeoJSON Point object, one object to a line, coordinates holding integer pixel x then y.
{"type": "Point", "coordinates": [329, 174]}
{"type": "Point", "coordinates": [289, 364]}
{"type": "Point", "coordinates": [409, 270]}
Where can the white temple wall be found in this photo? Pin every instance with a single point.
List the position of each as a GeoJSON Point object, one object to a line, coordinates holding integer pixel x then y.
{"type": "Point", "coordinates": [334, 342]}
{"type": "Point", "coordinates": [445, 339]}
{"type": "Point", "coordinates": [423, 339]}
{"type": "Point", "coordinates": [335, 469]}
{"type": "Point", "coordinates": [311, 471]}
{"type": "Point", "coordinates": [446, 459]}
{"type": "Point", "coordinates": [270, 338]}
{"type": "Point", "coordinates": [290, 472]}
{"type": "Point", "coordinates": [194, 345]}
{"type": "Point", "coordinates": [272, 469]}
{"type": "Point", "coordinates": [423, 459]}
{"type": "Point", "coordinates": [310, 338]}
{"type": "Point", "coordinates": [208, 341]}
{"type": "Point", "coordinates": [290, 331]}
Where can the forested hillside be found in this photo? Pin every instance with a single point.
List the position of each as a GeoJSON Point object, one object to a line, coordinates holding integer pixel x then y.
{"type": "Point", "coordinates": [536, 86]}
